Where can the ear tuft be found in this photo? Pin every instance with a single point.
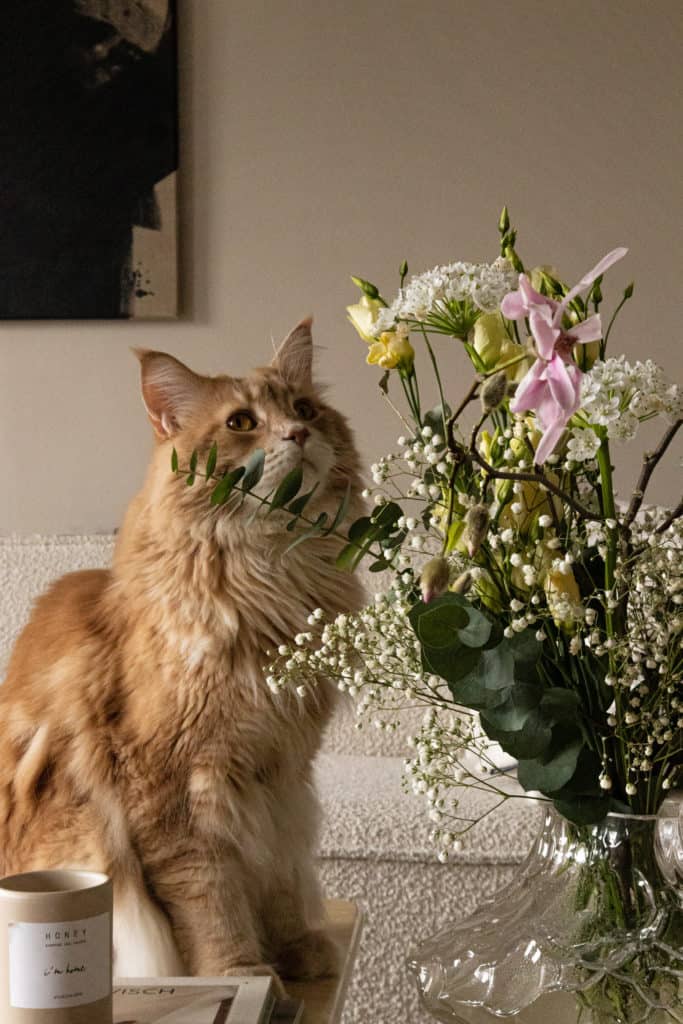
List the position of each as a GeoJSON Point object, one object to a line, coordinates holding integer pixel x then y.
{"type": "Point", "coordinates": [294, 357]}
{"type": "Point", "coordinates": [169, 390]}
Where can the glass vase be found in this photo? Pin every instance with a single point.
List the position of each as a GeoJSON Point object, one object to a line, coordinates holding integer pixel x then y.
{"type": "Point", "coordinates": [591, 930]}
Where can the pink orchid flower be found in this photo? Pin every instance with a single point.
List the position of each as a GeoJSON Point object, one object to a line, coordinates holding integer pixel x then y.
{"type": "Point", "coordinates": [552, 387]}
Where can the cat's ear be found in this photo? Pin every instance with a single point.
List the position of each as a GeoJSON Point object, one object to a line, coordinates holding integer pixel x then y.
{"type": "Point", "coordinates": [294, 357]}
{"type": "Point", "coordinates": [169, 390]}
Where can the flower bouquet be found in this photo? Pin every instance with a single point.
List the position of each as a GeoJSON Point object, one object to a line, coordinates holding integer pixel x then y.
{"type": "Point", "coordinates": [526, 607]}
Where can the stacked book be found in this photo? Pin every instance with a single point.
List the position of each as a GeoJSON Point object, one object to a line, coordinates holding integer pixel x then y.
{"type": "Point", "coordinates": [228, 1000]}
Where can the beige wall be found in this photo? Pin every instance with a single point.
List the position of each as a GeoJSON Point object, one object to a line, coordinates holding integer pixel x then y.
{"type": "Point", "coordinates": [325, 139]}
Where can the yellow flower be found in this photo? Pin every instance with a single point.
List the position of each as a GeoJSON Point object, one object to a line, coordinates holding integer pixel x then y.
{"type": "Point", "coordinates": [392, 349]}
{"type": "Point", "coordinates": [563, 596]}
{"type": "Point", "coordinates": [489, 335]}
{"type": "Point", "coordinates": [534, 500]}
{"type": "Point", "coordinates": [363, 316]}
{"type": "Point", "coordinates": [488, 593]}
{"type": "Point", "coordinates": [494, 347]}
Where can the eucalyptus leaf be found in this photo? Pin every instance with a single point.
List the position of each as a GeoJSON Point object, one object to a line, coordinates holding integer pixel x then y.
{"type": "Point", "coordinates": [312, 531]}
{"type": "Point", "coordinates": [554, 770]}
{"type": "Point", "coordinates": [193, 461]}
{"type": "Point", "coordinates": [349, 557]}
{"type": "Point", "coordinates": [386, 517]}
{"type": "Point", "coordinates": [583, 810]}
{"type": "Point", "coordinates": [584, 781]}
{"type": "Point", "coordinates": [559, 703]}
{"type": "Point", "coordinates": [341, 511]}
{"type": "Point", "coordinates": [451, 663]}
{"type": "Point", "coordinates": [297, 506]}
{"type": "Point", "coordinates": [174, 461]}
{"type": "Point", "coordinates": [253, 469]}
{"type": "Point", "coordinates": [212, 460]}
{"type": "Point", "coordinates": [478, 629]}
{"type": "Point", "coordinates": [224, 487]}
{"type": "Point", "coordinates": [438, 623]}
{"type": "Point", "coordinates": [288, 488]}
{"type": "Point", "coordinates": [475, 696]}
{"type": "Point", "coordinates": [452, 620]}
{"type": "Point", "coordinates": [512, 715]}
{"type": "Point", "coordinates": [495, 669]}
{"type": "Point", "coordinates": [360, 529]}
{"type": "Point", "coordinates": [529, 741]}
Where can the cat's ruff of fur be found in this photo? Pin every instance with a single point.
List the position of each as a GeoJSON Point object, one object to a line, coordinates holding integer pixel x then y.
{"type": "Point", "coordinates": [139, 736]}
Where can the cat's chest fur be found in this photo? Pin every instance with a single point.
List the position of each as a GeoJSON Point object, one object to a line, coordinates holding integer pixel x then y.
{"type": "Point", "coordinates": [202, 630]}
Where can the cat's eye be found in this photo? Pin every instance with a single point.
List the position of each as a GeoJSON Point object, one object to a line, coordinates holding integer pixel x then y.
{"type": "Point", "coordinates": [304, 409]}
{"type": "Point", "coordinates": [241, 421]}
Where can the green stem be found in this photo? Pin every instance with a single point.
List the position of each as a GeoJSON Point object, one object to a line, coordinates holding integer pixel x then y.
{"type": "Point", "coordinates": [603, 343]}
{"type": "Point", "coordinates": [439, 384]}
{"type": "Point", "coordinates": [405, 379]}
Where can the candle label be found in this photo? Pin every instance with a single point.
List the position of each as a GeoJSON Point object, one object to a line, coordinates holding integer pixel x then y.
{"type": "Point", "coordinates": [58, 964]}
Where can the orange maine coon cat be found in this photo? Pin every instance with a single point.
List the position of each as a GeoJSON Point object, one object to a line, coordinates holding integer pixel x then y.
{"type": "Point", "coordinates": [138, 735]}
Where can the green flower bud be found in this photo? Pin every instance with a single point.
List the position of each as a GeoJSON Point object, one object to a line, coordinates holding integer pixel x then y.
{"type": "Point", "coordinates": [628, 291]}
{"type": "Point", "coordinates": [512, 258]}
{"type": "Point", "coordinates": [434, 579]}
{"type": "Point", "coordinates": [366, 287]}
{"type": "Point", "coordinates": [504, 221]}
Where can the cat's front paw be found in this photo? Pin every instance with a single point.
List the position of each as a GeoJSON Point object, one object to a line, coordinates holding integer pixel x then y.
{"type": "Point", "coordinates": [313, 955]}
{"type": "Point", "coordinates": [258, 971]}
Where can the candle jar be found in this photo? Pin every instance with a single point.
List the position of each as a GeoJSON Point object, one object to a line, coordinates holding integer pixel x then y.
{"type": "Point", "coordinates": [56, 948]}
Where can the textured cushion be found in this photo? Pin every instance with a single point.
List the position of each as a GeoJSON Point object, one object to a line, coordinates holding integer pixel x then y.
{"type": "Point", "coordinates": [29, 564]}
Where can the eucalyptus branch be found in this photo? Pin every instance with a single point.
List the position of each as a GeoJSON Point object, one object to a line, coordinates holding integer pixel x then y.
{"type": "Point", "coordinates": [649, 465]}
{"type": "Point", "coordinates": [287, 504]}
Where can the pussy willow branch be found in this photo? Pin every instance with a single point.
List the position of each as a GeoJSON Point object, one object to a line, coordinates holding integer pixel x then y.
{"type": "Point", "coordinates": [469, 397]}
{"type": "Point", "coordinates": [676, 514]}
{"type": "Point", "coordinates": [649, 465]}
{"type": "Point", "coordinates": [534, 478]}
{"type": "Point", "coordinates": [460, 453]}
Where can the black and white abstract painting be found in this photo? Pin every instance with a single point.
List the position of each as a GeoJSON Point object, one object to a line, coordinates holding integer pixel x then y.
{"type": "Point", "coordinates": [88, 159]}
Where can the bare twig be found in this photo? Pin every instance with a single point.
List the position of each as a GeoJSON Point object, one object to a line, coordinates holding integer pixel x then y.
{"type": "Point", "coordinates": [649, 464]}
{"type": "Point", "coordinates": [535, 478]}
{"type": "Point", "coordinates": [671, 518]}
{"type": "Point", "coordinates": [469, 397]}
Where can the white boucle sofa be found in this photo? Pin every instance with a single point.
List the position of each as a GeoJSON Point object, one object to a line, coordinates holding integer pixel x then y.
{"type": "Point", "coordinates": [374, 845]}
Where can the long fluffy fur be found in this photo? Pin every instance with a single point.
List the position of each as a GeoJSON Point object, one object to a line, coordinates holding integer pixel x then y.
{"type": "Point", "coordinates": [139, 737]}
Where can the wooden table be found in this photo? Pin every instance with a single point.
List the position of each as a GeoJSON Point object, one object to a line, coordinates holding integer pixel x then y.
{"type": "Point", "coordinates": [324, 1000]}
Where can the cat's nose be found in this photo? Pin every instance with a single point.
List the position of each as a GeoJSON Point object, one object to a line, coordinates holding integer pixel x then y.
{"type": "Point", "coordinates": [298, 434]}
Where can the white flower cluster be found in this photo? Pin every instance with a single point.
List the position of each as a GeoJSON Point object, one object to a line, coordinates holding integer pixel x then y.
{"type": "Point", "coordinates": [483, 284]}
{"type": "Point", "coordinates": [647, 665]}
{"type": "Point", "coordinates": [582, 445]}
{"type": "Point", "coordinates": [418, 472]}
{"type": "Point", "coordinates": [619, 395]}
{"type": "Point", "coordinates": [374, 656]}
